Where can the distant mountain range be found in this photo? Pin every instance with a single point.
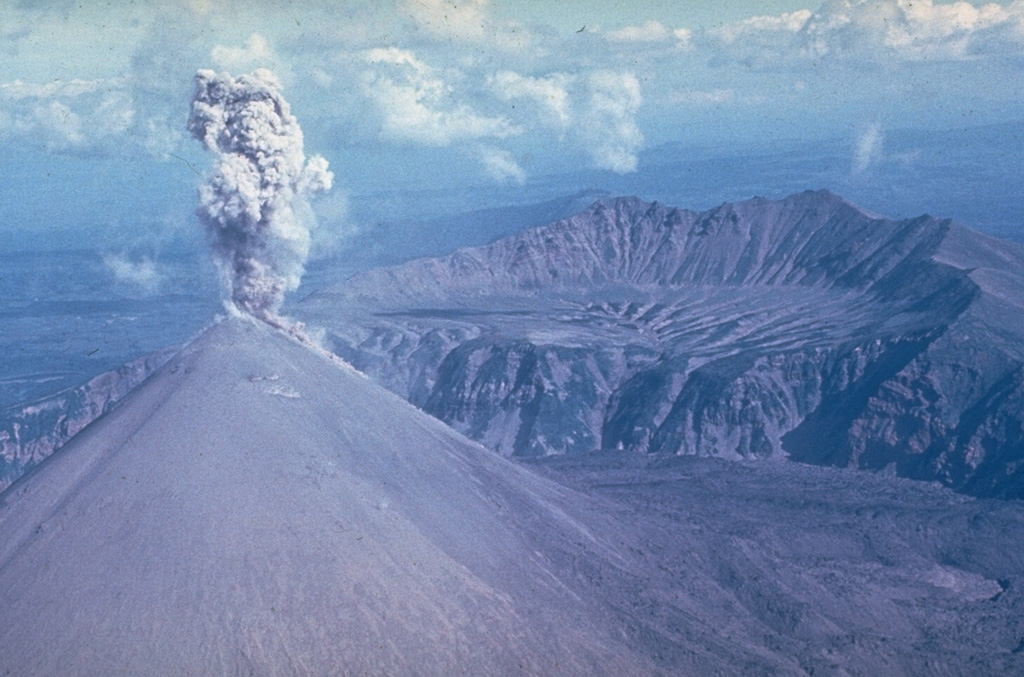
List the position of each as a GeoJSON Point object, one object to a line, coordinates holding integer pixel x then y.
{"type": "Point", "coordinates": [804, 328]}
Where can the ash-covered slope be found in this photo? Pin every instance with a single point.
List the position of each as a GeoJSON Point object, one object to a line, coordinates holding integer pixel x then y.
{"type": "Point", "coordinates": [255, 508]}
{"type": "Point", "coordinates": [804, 327]}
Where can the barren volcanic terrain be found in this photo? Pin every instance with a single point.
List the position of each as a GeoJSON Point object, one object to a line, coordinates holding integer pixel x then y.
{"type": "Point", "coordinates": [804, 328]}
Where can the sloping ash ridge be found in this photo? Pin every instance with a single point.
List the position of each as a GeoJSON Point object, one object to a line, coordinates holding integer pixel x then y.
{"type": "Point", "coordinates": [253, 508]}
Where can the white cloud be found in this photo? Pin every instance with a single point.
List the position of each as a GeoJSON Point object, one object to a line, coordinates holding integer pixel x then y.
{"type": "Point", "coordinates": [927, 30]}
{"type": "Point", "coordinates": [651, 31]}
{"type": "Point", "coordinates": [697, 97]}
{"type": "Point", "coordinates": [608, 126]}
{"type": "Point", "coordinates": [142, 274]}
{"type": "Point", "coordinates": [468, 21]}
{"type": "Point", "coordinates": [417, 105]}
{"type": "Point", "coordinates": [463, 19]}
{"type": "Point", "coordinates": [761, 40]}
{"type": "Point", "coordinates": [500, 165]}
{"type": "Point", "coordinates": [596, 111]}
{"type": "Point", "coordinates": [790, 22]}
{"type": "Point", "coordinates": [393, 55]}
{"type": "Point", "coordinates": [321, 77]}
{"type": "Point", "coordinates": [550, 92]}
{"type": "Point", "coordinates": [881, 29]}
{"type": "Point", "coordinates": [869, 150]}
{"type": "Point", "coordinates": [255, 51]}
{"type": "Point", "coordinates": [684, 38]}
{"type": "Point", "coordinates": [61, 127]}
{"type": "Point", "coordinates": [66, 115]}
{"type": "Point", "coordinates": [18, 90]}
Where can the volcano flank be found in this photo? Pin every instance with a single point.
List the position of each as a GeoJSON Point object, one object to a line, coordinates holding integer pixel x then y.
{"type": "Point", "coordinates": [255, 506]}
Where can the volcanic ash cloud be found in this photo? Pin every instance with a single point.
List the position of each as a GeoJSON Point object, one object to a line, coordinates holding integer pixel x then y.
{"type": "Point", "coordinates": [252, 202]}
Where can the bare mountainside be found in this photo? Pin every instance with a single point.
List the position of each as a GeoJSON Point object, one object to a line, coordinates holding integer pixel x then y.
{"type": "Point", "coordinates": [806, 328]}
{"type": "Point", "coordinates": [257, 508]}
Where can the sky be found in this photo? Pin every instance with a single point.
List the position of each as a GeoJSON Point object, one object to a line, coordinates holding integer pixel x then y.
{"type": "Point", "coordinates": [406, 96]}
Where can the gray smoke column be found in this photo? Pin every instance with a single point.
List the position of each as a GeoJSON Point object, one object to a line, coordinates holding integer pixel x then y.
{"type": "Point", "coordinates": [254, 203]}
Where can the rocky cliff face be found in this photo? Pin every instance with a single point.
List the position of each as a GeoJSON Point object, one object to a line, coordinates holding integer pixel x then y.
{"type": "Point", "coordinates": [803, 328]}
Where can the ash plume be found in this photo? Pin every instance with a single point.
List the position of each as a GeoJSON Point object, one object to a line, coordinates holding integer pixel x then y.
{"type": "Point", "coordinates": [254, 202]}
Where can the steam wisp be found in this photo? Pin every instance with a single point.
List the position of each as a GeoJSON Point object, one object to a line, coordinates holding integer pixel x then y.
{"type": "Point", "coordinates": [253, 204]}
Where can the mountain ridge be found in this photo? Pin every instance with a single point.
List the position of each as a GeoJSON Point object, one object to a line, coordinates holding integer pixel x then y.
{"type": "Point", "coordinates": [661, 239]}
{"type": "Point", "coordinates": [737, 331]}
